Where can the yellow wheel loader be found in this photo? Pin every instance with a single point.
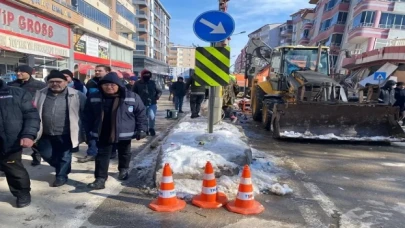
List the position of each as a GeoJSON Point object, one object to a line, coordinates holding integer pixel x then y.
{"type": "Point", "coordinates": [300, 100]}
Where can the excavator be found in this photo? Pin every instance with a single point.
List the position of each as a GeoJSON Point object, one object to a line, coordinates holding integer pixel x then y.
{"type": "Point", "coordinates": [299, 99]}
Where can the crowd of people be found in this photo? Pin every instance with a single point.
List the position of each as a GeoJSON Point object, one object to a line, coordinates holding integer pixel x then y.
{"type": "Point", "coordinates": [55, 116]}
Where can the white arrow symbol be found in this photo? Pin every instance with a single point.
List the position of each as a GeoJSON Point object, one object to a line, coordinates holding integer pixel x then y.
{"type": "Point", "coordinates": [217, 29]}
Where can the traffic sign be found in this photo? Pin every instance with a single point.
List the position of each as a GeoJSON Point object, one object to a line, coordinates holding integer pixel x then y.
{"type": "Point", "coordinates": [380, 76]}
{"type": "Point", "coordinates": [214, 26]}
{"type": "Point", "coordinates": [212, 66]}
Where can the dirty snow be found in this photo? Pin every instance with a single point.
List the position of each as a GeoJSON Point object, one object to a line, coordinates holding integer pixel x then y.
{"type": "Point", "coordinates": [189, 147]}
{"type": "Point", "coordinates": [331, 136]}
{"type": "Point", "coordinates": [280, 190]}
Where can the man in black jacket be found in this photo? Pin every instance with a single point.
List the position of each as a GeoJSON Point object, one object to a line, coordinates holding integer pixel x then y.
{"type": "Point", "coordinates": [400, 99]}
{"type": "Point", "coordinates": [149, 93]}
{"type": "Point", "coordinates": [100, 71]}
{"type": "Point", "coordinates": [179, 91]}
{"type": "Point", "coordinates": [19, 124]}
{"type": "Point", "coordinates": [115, 115]}
{"type": "Point", "coordinates": [27, 82]}
{"type": "Point", "coordinates": [197, 96]}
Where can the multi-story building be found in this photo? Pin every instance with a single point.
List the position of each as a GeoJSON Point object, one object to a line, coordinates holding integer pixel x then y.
{"type": "Point", "coordinates": [329, 26]}
{"type": "Point", "coordinates": [152, 37]}
{"type": "Point", "coordinates": [302, 23]}
{"type": "Point", "coordinates": [286, 32]}
{"type": "Point", "coordinates": [269, 34]}
{"type": "Point", "coordinates": [373, 25]}
{"type": "Point", "coordinates": [73, 34]}
{"type": "Point", "coordinates": [240, 62]}
{"type": "Point", "coordinates": [181, 56]}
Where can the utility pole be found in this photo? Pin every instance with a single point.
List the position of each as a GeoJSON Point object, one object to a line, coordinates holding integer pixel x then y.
{"type": "Point", "coordinates": [215, 92]}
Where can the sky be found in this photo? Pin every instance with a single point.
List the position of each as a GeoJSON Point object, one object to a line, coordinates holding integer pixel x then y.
{"type": "Point", "coordinates": [249, 15]}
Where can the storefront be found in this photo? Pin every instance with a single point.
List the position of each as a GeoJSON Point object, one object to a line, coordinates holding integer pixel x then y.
{"type": "Point", "coordinates": [91, 51]}
{"type": "Point", "coordinates": [30, 38]}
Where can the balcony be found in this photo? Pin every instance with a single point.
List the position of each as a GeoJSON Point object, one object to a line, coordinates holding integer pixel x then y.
{"type": "Point", "coordinates": [303, 41]}
{"type": "Point", "coordinates": [287, 32]}
{"type": "Point", "coordinates": [361, 32]}
{"type": "Point", "coordinates": [375, 5]}
{"type": "Point", "coordinates": [140, 41]}
{"type": "Point", "coordinates": [140, 2]}
{"type": "Point", "coordinates": [140, 52]}
{"type": "Point", "coordinates": [307, 24]}
{"type": "Point", "coordinates": [141, 28]}
{"type": "Point", "coordinates": [141, 14]}
{"type": "Point", "coordinates": [325, 33]}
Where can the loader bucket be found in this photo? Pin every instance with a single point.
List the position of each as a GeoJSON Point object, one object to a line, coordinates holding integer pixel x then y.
{"type": "Point", "coordinates": [352, 122]}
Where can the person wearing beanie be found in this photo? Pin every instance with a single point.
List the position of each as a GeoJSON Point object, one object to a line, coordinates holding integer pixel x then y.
{"type": "Point", "coordinates": [400, 100]}
{"type": "Point", "coordinates": [28, 83]}
{"type": "Point", "coordinates": [60, 109]}
{"type": "Point", "coordinates": [113, 116]}
{"type": "Point", "coordinates": [74, 83]}
{"type": "Point", "coordinates": [150, 94]}
{"type": "Point", "coordinates": [387, 93]}
{"type": "Point", "coordinates": [179, 91]}
{"type": "Point", "coordinates": [131, 82]}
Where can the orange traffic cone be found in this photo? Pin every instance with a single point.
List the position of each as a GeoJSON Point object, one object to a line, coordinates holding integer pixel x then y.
{"type": "Point", "coordinates": [244, 203]}
{"type": "Point", "coordinates": [209, 197]}
{"type": "Point", "coordinates": [167, 200]}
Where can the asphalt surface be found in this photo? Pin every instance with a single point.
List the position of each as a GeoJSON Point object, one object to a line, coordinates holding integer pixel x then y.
{"type": "Point", "coordinates": [336, 184]}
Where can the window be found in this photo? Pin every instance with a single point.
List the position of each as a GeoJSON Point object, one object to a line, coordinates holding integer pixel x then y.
{"type": "Point", "coordinates": [125, 13]}
{"type": "Point", "coordinates": [93, 14]}
{"type": "Point", "coordinates": [365, 19]}
{"type": "Point", "coordinates": [389, 20]}
{"type": "Point", "coordinates": [121, 54]}
{"type": "Point", "coordinates": [335, 39]}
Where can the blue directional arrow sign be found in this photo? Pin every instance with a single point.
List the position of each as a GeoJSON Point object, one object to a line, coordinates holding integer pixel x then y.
{"type": "Point", "coordinates": [214, 26]}
{"type": "Point", "coordinates": [380, 75]}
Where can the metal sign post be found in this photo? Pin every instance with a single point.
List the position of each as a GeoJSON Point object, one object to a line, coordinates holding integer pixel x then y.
{"type": "Point", "coordinates": [212, 63]}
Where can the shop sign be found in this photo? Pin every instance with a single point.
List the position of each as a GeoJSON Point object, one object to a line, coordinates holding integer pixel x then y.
{"type": "Point", "coordinates": [30, 45]}
{"type": "Point", "coordinates": [28, 24]}
{"type": "Point", "coordinates": [80, 45]}
{"type": "Point", "coordinates": [93, 47]}
{"type": "Point", "coordinates": [52, 6]}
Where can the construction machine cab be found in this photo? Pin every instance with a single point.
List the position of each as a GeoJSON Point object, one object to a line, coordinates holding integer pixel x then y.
{"type": "Point", "coordinates": [287, 60]}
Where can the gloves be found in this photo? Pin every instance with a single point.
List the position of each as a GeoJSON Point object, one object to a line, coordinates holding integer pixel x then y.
{"type": "Point", "coordinates": [140, 135]}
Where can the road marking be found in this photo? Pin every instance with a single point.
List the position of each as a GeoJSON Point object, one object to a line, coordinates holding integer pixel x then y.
{"type": "Point", "coordinates": [326, 204]}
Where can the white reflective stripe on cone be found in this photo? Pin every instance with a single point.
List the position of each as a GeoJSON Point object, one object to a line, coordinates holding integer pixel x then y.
{"type": "Point", "coordinates": [167, 179]}
{"type": "Point", "coordinates": [245, 196]}
{"type": "Point", "coordinates": [245, 181]}
{"type": "Point", "coordinates": [209, 190]}
{"type": "Point", "coordinates": [167, 193]}
{"type": "Point", "coordinates": [210, 176]}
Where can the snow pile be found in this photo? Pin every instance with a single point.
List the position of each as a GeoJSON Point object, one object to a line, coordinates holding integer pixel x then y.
{"type": "Point", "coordinates": [189, 147]}
{"type": "Point", "coordinates": [331, 136]}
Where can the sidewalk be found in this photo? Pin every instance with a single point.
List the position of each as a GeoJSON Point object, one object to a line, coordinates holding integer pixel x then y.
{"type": "Point", "coordinates": [71, 204]}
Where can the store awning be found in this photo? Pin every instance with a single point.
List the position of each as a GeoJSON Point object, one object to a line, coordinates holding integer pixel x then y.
{"type": "Point", "coordinates": [127, 74]}
{"type": "Point", "coordinates": [84, 68]}
{"type": "Point", "coordinates": [6, 48]}
{"type": "Point", "coordinates": [39, 53]}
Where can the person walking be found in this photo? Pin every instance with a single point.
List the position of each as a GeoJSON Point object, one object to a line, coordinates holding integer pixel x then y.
{"type": "Point", "coordinates": [92, 87]}
{"type": "Point", "coordinates": [61, 109]}
{"type": "Point", "coordinates": [74, 83]}
{"type": "Point", "coordinates": [19, 124]}
{"type": "Point", "coordinates": [150, 94]}
{"type": "Point", "coordinates": [179, 91]}
{"type": "Point", "coordinates": [387, 93]}
{"type": "Point", "coordinates": [131, 83]}
{"type": "Point", "coordinates": [400, 99]}
{"type": "Point", "coordinates": [27, 82]}
{"type": "Point", "coordinates": [114, 116]}
{"type": "Point", "coordinates": [197, 96]}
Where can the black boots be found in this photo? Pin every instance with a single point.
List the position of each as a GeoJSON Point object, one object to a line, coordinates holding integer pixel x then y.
{"type": "Point", "coordinates": [59, 182]}
{"type": "Point", "coordinates": [152, 132]}
{"type": "Point", "coordinates": [123, 175]}
{"type": "Point", "coordinates": [99, 183]}
{"type": "Point", "coordinates": [36, 159]}
{"type": "Point", "coordinates": [23, 200]}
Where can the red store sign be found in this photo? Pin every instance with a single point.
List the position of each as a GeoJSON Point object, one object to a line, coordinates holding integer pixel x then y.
{"type": "Point", "coordinates": [16, 21]}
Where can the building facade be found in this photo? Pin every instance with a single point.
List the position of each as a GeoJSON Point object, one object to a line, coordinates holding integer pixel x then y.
{"type": "Point", "coordinates": [48, 35]}
{"type": "Point", "coordinates": [302, 24]}
{"type": "Point", "coordinates": [72, 34]}
{"type": "Point", "coordinates": [181, 56]}
{"type": "Point", "coordinates": [152, 37]}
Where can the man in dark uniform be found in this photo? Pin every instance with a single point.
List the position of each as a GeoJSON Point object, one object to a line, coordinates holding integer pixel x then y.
{"type": "Point", "coordinates": [28, 83]}
{"type": "Point", "coordinates": [19, 125]}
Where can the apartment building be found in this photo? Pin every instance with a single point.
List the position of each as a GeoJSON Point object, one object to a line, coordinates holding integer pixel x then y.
{"type": "Point", "coordinates": [152, 37]}
{"type": "Point", "coordinates": [269, 34]}
{"type": "Point", "coordinates": [302, 21]}
{"type": "Point", "coordinates": [181, 56]}
{"type": "Point", "coordinates": [286, 33]}
{"type": "Point", "coordinates": [74, 34]}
